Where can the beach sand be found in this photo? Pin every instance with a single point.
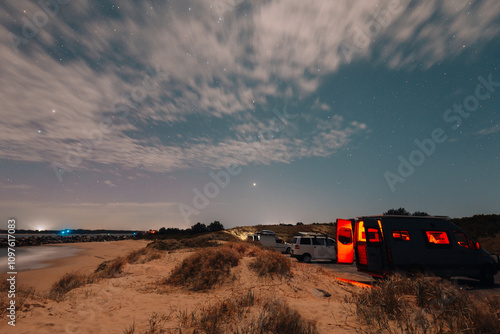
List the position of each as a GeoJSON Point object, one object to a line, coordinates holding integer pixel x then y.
{"type": "Point", "coordinates": [114, 305]}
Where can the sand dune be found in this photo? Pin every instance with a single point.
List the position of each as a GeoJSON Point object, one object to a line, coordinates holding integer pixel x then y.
{"type": "Point", "coordinates": [113, 305]}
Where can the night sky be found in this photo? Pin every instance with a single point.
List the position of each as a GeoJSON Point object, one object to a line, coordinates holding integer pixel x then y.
{"type": "Point", "coordinates": [144, 114]}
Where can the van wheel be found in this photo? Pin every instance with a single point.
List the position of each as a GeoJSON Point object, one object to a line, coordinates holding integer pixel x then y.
{"type": "Point", "coordinates": [487, 277]}
{"type": "Point", "coordinates": [288, 250]}
{"type": "Point", "coordinates": [306, 258]}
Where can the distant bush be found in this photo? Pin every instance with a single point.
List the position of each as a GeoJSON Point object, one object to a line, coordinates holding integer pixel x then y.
{"type": "Point", "coordinates": [165, 245]}
{"type": "Point", "coordinates": [205, 268]}
{"type": "Point", "coordinates": [271, 263]}
{"type": "Point", "coordinates": [423, 305]}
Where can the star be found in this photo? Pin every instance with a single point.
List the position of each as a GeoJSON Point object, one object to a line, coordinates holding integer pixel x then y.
{"type": "Point", "coordinates": [254, 184]}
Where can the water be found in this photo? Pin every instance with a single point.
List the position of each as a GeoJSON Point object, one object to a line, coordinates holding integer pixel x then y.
{"type": "Point", "coordinates": [35, 257]}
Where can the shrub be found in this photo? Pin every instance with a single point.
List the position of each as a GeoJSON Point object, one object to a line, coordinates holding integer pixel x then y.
{"type": "Point", "coordinates": [205, 268]}
{"type": "Point", "coordinates": [67, 283]}
{"type": "Point", "coordinates": [277, 317]}
{"type": "Point", "coordinates": [22, 294]}
{"type": "Point", "coordinates": [165, 245]}
{"type": "Point", "coordinates": [111, 268]}
{"type": "Point", "coordinates": [424, 305]}
{"type": "Point", "coordinates": [271, 263]}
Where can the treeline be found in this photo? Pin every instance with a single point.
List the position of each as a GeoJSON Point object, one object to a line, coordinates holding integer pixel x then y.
{"type": "Point", "coordinates": [479, 225]}
{"type": "Point", "coordinates": [174, 232]}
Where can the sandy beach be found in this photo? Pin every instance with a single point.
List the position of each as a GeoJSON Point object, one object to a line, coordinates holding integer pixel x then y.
{"type": "Point", "coordinates": [85, 261]}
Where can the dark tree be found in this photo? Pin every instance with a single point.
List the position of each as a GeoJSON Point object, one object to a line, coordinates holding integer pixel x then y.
{"type": "Point", "coordinates": [162, 231]}
{"type": "Point", "coordinates": [215, 226]}
{"type": "Point", "coordinates": [397, 212]}
{"type": "Point", "coordinates": [199, 228]}
{"type": "Point", "coordinates": [300, 223]}
{"type": "Point", "coordinates": [420, 213]}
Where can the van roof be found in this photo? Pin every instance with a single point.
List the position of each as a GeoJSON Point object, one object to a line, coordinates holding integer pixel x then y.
{"type": "Point", "coordinates": [408, 217]}
{"type": "Point", "coordinates": [311, 234]}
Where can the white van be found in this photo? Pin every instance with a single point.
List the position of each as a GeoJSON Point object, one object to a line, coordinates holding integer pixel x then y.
{"type": "Point", "coordinates": [270, 239]}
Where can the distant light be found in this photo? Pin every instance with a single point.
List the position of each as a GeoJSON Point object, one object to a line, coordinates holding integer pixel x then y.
{"type": "Point", "coordinates": [62, 232]}
{"type": "Point", "coordinates": [254, 184]}
{"type": "Point", "coordinates": [67, 231]}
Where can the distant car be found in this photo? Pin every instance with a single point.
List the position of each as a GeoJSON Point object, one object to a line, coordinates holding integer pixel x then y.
{"type": "Point", "coordinates": [270, 239]}
{"type": "Point", "coordinates": [308, 246]}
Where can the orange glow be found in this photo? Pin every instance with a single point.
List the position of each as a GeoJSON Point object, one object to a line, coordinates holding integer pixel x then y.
{"type": "Point", "coordinates": [373, 235]}
{"type": "Point", "coordinates": [345, 248]}
{"type": "Point", "coordinates": [361, 231]}
{"type": "Point", "coordinates": [355, 283]}
{"type": "Point", "coordinates": [402, 235]}
{"type": "Point", "coordinates": [437, 237]}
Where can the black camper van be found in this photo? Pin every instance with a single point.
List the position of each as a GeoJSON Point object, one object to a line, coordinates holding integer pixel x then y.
{"type": "Point", "coordinates": [408, 244]}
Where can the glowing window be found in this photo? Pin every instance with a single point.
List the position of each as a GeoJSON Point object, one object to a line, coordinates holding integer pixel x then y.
{"type": "Point", "coordinates": [463, 241]}
{"type": "Point", "coordinates": [373, 235]}
{"type": "Point", "coordinates": [437, 237]}
{"type": "Point", "coordinates": [361, 231]}
{"type": "Point", "coordinates": [401, 235]}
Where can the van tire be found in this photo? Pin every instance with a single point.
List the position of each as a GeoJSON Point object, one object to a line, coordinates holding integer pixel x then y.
{"type": "Point", "coordinates": [288, 250]}
{"type": "Point", "coordinates": [487, 277]}
{"type": "Point", "coordinates": [306, 258]}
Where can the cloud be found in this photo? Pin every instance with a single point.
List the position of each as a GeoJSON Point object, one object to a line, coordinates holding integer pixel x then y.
{"type": "Point", "coordinates": [110, 74]}
{"type": "Point", "coordinates": [489, 131]}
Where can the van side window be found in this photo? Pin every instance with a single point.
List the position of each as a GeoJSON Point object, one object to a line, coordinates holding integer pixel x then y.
{"type": "Point", "coordinates": [305, 241]}
{"type": "Point", "coordinates": [330, 242]}
{"type": "Point", "coordinates": [373, 235]}
{"type": "Point", "coordinates": [318, 241]}
{"type": "Point", "coordinates": [437, 237]}
{"type": "Point", "coordinates": [401, 235]}
{"type": "Point", "coordinates": [463, 241]}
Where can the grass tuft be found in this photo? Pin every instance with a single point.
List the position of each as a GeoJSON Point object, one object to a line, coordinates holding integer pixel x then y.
{"type": "Point", "coordinates": [205, 268]}
{"type": "Point", "coordinates": [424, 305]}
{"type": "Point", "coordinates": [67, 283]}
{"type": "Point", "coordinates": [271, 263]}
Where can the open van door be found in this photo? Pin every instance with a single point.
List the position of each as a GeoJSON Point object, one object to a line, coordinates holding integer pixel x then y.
{"type": "Point", "coordinates": [345, 246]}
{"type": "Point", "coordinates": [375, 246]}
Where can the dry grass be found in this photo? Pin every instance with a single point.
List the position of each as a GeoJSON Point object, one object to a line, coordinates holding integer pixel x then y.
{"type": "Point", "coordinates": [22, 295]}
{"type": "Point", "coordinates": [247, 314]}
{"type": "Point", "coordinates": [271, 263]}
{"type": "Point", "coordinates": [423, 305]}
{"type": "Point", "coordinates": [156, 325]}
{"type": "Point", "coordinates": [67, 283]}
{"type": "Point", "coordinates": [205, 268]}
{"type": "Point", "coordinates": [110, 269]}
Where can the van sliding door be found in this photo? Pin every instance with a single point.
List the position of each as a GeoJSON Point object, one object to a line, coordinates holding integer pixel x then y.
{"type": "Point", "coordinates": [375, 246]}
{"type": "Point", "coordinates": [345, 248]}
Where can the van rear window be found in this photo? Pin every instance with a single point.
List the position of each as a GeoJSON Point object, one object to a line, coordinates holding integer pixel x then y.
{"type": "Point", "coordinates": [437, 237]}
{"type": "Point", "coordinates": [305, 241]}
{"type": "Point", "coordinates": [401, 235]}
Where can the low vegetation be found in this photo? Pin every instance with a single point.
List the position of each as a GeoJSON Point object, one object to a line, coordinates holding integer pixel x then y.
{"type": "Point", "coordinates": [22, 293]}
{"type": "Point", "coordinates": [67, 283]}
{"type": "Point", "coordinates": [205, 268]}
{"type": "Point", "coordinates": [107, 269]}
{"type": "Point", "coordinates": [240, 314]}
{"type": "Point", "coordinates": [270, 263]}
{"type": "Point", "coordinates": [424, 305]}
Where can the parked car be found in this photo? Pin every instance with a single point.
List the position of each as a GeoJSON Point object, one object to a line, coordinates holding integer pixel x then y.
{"type": "Point", "coordinates": [308, 246]}
{"type": "Point", "coordinates": [407, 244]}
{"type": "Point", "coordinates": [270, 239]}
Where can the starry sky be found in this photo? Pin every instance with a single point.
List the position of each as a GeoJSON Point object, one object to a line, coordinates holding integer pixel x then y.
{"type": "Point", "coordinates": [149, 114]}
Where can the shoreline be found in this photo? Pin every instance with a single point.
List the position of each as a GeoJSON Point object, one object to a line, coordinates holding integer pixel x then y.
{"type": "Point", "coordinates": [91, 254]}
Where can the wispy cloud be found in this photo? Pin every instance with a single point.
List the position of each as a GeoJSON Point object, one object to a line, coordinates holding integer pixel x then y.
{"type": "Point", "coordinates": [62, 84]}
